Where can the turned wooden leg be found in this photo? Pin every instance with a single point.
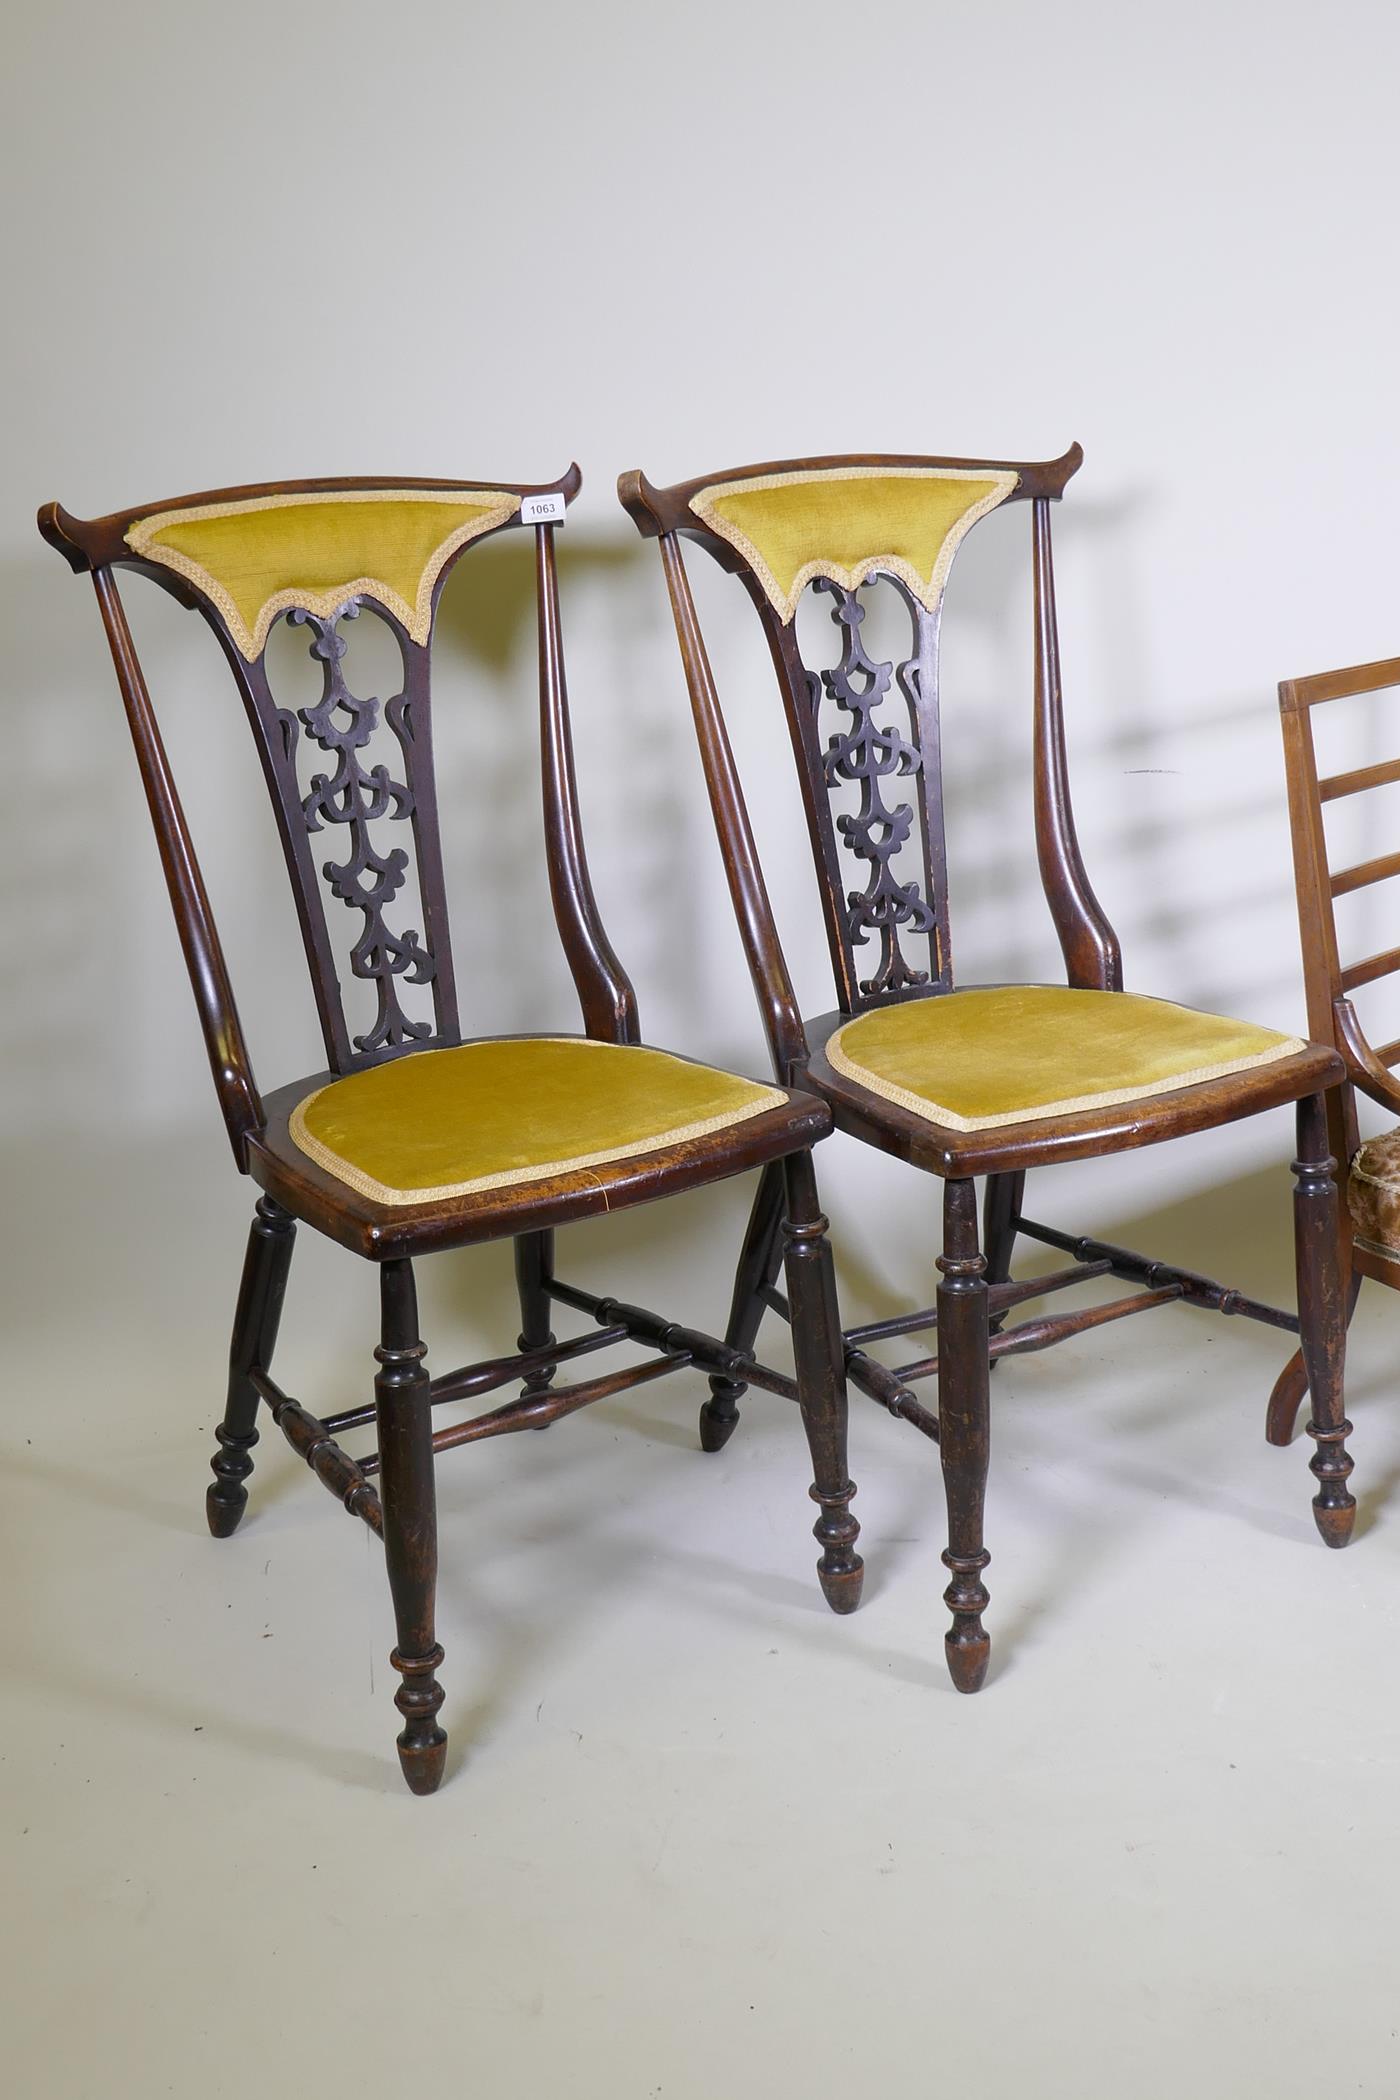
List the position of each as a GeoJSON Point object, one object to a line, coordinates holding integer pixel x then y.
{"type": "Point", "coordinates": [1290, 1388]}
{"type": "Point", "coordinates": [405, 1421]}
{"type": "Point", "coordinates": [821, 1382]}
{"type": "Point", "coordinates": [964, 1430]}
{"type": "Point", "coordinates": [1001, 1214]}
{"type": "Point", "coordinates": [534, 1267]}
{"type": "Point", "coordinates": [260, 1296]}
{"type": "Point", "coordinates": [1322, 1315]}
{"type": "Point", "coordinates": [758, 1265]}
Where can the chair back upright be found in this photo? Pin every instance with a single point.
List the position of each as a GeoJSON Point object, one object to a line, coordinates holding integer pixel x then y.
{"type": "Point", "coordinates": [1329, 980]}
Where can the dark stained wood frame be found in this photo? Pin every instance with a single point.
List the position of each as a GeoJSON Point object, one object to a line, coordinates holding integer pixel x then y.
{"type": "Point", "coordinates": [977, 1291]}
{"type": "Point", "coordinates": [401, 1509]}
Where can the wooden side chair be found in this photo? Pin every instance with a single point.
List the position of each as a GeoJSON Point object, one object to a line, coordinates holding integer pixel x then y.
{"type": "Point", "coordinates": [415, 1138]}
{"type": "Point", "coordinates": [992, 1080]}
{"type": "Point", "coordinates": [1370, 1172]}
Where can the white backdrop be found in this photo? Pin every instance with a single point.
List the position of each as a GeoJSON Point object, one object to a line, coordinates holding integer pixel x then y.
{"type": "Point", "coordinates": [301, 240]}
{"type": "Point", "coordinates": [700, 1837]}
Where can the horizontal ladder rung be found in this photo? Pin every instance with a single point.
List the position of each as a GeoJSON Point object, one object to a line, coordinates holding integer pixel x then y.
{"type": "Point", "coordinates": [1364, 874]}
{"type": "Point", "coordinates": [880, 1383]}
{"type": "Point", "coordinates": [548, 1407]}
{"type": "Point", "coordinates": [999, 1297]}
{"type": "Point", "coordinates": [767, 1381]}
{"type": "Point", "coordinates": [682, 1346]}
{"type": "Point", "coordinates": [654, 1331]}
{"type": "Point", "coordinates": [312, 1441]}
{"type": "Point", "coordinates": [475, 1379]}
{"type": "Point", "coordinates": [485, 1377]}
{"type": "Point", "coordinates": [1052, 1328]}
{"type": "Point", "coordinates": [1197, 1290]}
{"type": "Point", "coordinates": [1339, 784]}
{"type": "Point", "coordinates": [881, 1330]}
{"type": "Point", "coordinates": [1373, 966]}
{"type": "Point", "coordinates": [1057, 1327]}
{"type": "Point", "coordinates": [543, 1408]}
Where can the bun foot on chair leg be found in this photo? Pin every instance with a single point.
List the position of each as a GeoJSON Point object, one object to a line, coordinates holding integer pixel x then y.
{"type": "Point", "coordinates": [758, 1266]}
{"type": "Point", "coordinates": [1335, 1522]}
{"type": "Point", "coordinates": [719, 1416]}
{"type": "Point", "coordinates": [1334, 1505]}
{"type": "Point", "coordinates": [423, 1763]}
{"type": "Point", "coordinates": [840, 1571]}
{"type": "Point", "coordinates": [841, 1587]}
{"type": "Point", "coordinates": [224, 1506]}
{"type": "Point", "coordinates": [1325, 1302]}
{"type": "Point", "coordinates": [422, 1745]}
{"type": "Point", "coordinates": [226, 1498]}
{"type": "Point", "coordinates": [260, 1294]}
{"type": "Point", "coordinates": [967, 1644]}
{"type": "Point", "coordinates": [968, 1655]}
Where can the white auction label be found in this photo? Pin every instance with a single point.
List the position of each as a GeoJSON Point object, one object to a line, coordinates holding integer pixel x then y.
{"type": "Point", "coordinates": [542, 510]}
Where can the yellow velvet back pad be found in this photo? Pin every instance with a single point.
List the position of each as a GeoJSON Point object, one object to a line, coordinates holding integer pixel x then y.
{"type": "Point", "coordinates": [255, 560]}
{"type": "Point", "coordinates": [847, 522]}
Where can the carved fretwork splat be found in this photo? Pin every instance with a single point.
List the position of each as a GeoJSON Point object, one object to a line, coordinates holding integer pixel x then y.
{"type": "Point", "coordinates": [367, 880]}
{"type": "Point", "coordinates": [873, 753]}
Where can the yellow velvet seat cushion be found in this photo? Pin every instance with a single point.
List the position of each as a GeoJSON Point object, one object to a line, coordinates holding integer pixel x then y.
{"type": "Point", "coordinates": [259, 558]}
{"type": "Point", "coordinates": [846, 522]}
{"type": "Point", "coordinates": [485, 1115]}
{"type": "Point", "coordinates": [1021, 1052]}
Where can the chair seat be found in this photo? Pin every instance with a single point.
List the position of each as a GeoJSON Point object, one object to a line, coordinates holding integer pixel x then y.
{"type": "Point", "coordinates": [513, 1132]}
{"type": "Point", "coordinates": [489, 1115]}
{"type": "Point", "coordinates": [1373, 1196]}
{"type": "Point", "coordinates": [967, 1081]}
{"type": "Point", "coordinates": [1001, 1054]}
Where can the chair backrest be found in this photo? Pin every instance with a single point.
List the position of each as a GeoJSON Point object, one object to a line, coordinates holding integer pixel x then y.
{"type": "Point", "coordinates": [836, 526]}
{"type": "Point", "coordinates": [318, 555]}
{"type": "Point", "coordinates": [1332, 1018]}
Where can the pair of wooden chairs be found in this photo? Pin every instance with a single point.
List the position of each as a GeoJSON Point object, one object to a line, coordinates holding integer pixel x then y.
{"type": "Point", "coordinates": [416, 1139]}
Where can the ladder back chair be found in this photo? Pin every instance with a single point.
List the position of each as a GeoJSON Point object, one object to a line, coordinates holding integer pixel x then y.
{"type": "Point", "coordinates": [415, 1137]}
{"type": "Point", "coordinates": [991, 1080]}
{"type": "Point", "coordinates": [1370, 1172]}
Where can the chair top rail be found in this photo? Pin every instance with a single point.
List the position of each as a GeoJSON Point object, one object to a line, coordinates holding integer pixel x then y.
{"type": "Point", "coordinates": [655, 509]}
{"type": "Point", "coordinates": [90, 543]}
{"type": "Point", "coordinates": [1296, 694]}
